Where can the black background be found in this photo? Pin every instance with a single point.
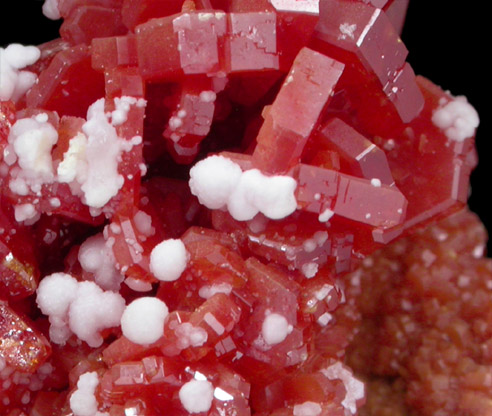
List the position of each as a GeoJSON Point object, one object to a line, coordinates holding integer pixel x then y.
{"type": "Point", "coordinates": [447, 43]}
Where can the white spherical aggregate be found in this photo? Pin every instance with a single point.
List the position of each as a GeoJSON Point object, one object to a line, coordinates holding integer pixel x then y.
{"type": "Point", "coordinates": [55, 293]}
{"type": "Point", "coordinates": [83, 401]}
{"type": "Point", "coordinates": [213, 180]}
{"type": "Point", "coordinates": [275, 329]}
{"type": "Point", "coordinates": [94, 310]}
{"type": "Point", "coordinates": [168, 260]}
{"type": "Point", "coordinates": [142, 321]}
{"type": "Point", "coordinates": [197, 395]}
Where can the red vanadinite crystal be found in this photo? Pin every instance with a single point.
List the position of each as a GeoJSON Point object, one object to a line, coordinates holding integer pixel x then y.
{"type": "Point", "coordinates": [317, 312]}
{"type": "Point", "coordinates": [24, 348]}
{"type": "Point", "coordinates": [290, 120]}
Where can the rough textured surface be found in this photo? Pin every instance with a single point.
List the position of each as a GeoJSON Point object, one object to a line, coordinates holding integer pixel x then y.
{"type": "Point", "coordinates": [424, 332]}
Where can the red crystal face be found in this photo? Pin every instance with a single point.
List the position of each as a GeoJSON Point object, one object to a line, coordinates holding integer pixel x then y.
{"type": "Point", "coordinates": [126, 167]}
{"type": "Point", "coordinates": [24, 348]}
{"type": "Point", "coordinates": [290, 120]}
{"type": "Point", "coordinates": [69, 74]}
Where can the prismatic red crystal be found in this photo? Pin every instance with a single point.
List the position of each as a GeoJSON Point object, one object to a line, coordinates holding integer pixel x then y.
{"type": "Point", "coordinates": [124, 172]}
{"type": "Point", "coordinates": [87, 22]}
{"type": "Point", "coordinates": [67, 76]}
{"type": "Point", "coordinates": [358, 155]}
{"type": "Point", "coordinates": [291, 118]}
{"type": "Point", "coordinates": [362, 37]}
{"type": "Point", "coordinates": [191, 120]}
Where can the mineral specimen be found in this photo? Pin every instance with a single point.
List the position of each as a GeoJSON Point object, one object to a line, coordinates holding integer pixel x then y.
{"type": "Point", "coordinates": [236, 207]}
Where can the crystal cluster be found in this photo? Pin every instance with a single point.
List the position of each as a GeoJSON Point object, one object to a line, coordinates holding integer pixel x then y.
{"type": "Point", "coordinates": [218, 207]}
